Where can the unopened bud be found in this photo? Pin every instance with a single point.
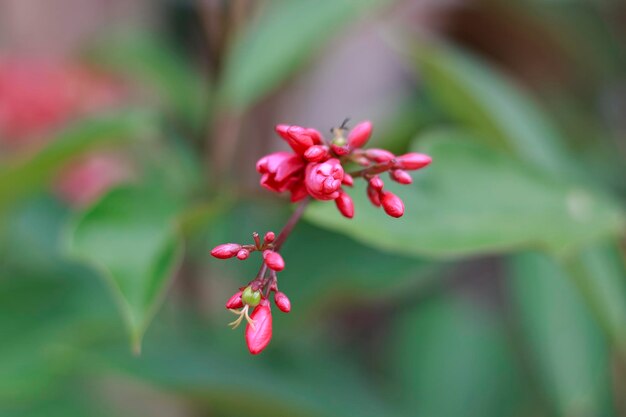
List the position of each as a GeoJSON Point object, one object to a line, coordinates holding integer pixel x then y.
{"type": "Point", "coordinates": [401, 176]}
{"type": "Point", "coordinates": [376, 183]}
{"type": "Point", "coordinates": [413, 160]}
{"type": "Point", "coordinates": [235, 301]}
{"type": "Point", "coordinates": [347, 179]}
{"type": "Point", "coordinates": [360, 134]}
{"type": "Point", "coordinates": [269, 237]}
{"type": "Point", "coordinates": [226, 250]}
{"type": "Point", "coordinates": [345, 205]}
{"type": "Point", "coordinates": [340, 150]}
{"type": "Point", "coordinates": [316, 153]}
{"type": "Point", "coordinates": [373, 195]}
{"type": "Point", "coordinates": [282, 302]}
{"type": "Point", "coordinates": [392, 204]}
{"type": "Point", "coordinates": [379, 155]}
{"type": "Point", "coordinates": [273, 260]}
{"type": "Point", "coordinates": [243, 254]}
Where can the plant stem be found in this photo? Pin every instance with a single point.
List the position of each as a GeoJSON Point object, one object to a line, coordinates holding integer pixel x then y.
{"type": "Point", "coordinates": [284, 234]}
{"type": "Point", "coordinates": [291, 223]}
{"type": "Point", "coordinates": [374, 169]}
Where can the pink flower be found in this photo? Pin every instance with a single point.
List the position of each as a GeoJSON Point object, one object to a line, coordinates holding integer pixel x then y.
{"type": "Point", "coordinates": [280, 171]}
{"type": "Point", "coordinates": [259, 334]}
{"type": "Point", "coordinates": [323, 180]}
{"type": "Point", "coordinates": [84, 180]}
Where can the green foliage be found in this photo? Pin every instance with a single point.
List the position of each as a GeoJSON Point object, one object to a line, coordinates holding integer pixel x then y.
{"type": "Point", "coordinates": [475, 200]}
{"type": "Point", "coordinates": [451, 343]}
{"type": "Point", "coordinates": [154, 65]}
{"type": "Point", "coordinates": [568, 350]}
{"type": "Point", "coordinates": [129, 237]}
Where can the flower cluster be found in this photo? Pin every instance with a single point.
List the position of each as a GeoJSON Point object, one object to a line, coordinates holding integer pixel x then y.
{"type": "Point", "coordinates": [315, 168]}
{"type": "Point", "coordinates": [255, 295]}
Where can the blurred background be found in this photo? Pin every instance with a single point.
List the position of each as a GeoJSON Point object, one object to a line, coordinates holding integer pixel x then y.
{"type": "Point", "coordinates": [129, 131]}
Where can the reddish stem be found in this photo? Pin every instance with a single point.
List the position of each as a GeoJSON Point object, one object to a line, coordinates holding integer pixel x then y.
{"type": "Point", "coordinates": [260, 281]}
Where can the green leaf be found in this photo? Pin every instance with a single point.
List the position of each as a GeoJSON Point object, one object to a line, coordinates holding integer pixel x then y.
{"type": "Point", "coordinates": [474, 200]}
{"type": "Point", "coordinates": [599, 273]}
{"type": "Point", "coordinates": [453, 360]}
{"type": "Point", "coordinates": [220, 378]}
{"type": "Point", "coordinates": [130, 239]}
{"type": "Point", "coordinates": [568, 349]}
{"type": "Point", "coordinates": [487, 100]}
{"type": "Point", "coordinates": [154, 64]}
{"type": "Point", "coordinates": [25, 176]}
{"type": "Point", "coordinates": [281, 41]}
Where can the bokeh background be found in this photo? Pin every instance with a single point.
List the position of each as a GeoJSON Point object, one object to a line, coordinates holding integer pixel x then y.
{"type": "Point", "coordinates": [129, 131]}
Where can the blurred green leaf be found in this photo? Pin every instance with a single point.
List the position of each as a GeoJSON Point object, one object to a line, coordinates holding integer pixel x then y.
{"type": "Point", "coordinates": [567, 348]}
{"type": "Point", "coordinates": [453, 360]}
{"type": "Point", "coordinates": [154, 64]}
{"type": "Point", "coordinates": [130, 239]}
{"type": "Point", "coordinates": [599, 272]}
{"type": "Point", "coordinates": [23, 176]}
{"type": "Point", "coordinates": [475, 200]}
{"type": "Point", "coordinates": [281, 41]}
{"type": "Point", "coordinates": [220, 378]}
{"type": "Point", "coordinates": [487, 100]}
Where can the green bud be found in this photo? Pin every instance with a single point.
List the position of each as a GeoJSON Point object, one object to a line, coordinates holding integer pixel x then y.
{"type": "Point", "coordinates": [251, 298]}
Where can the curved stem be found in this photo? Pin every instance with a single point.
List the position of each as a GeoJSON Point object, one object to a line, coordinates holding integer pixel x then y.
{"type": "Point", "coordinates": [291, 223]}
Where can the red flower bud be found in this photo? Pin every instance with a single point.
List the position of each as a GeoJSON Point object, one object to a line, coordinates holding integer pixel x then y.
{"type": "Point", "coordinates": [259, 335]}
{"type": "Point", "coordinates": [234, 301]}
{"type": "Point", "coordinates": [299, 138]}
{"type": "Point", "coordinates": [347, 179]}
{"type": "Point", "coordinates": [379, 155]}
{"type": "Point", "coordinates": [373, 195]}
{"type": "Point", "coordinates": [323, 180]}
{"type": "Point", "coordinates": [280, 171]}
{"type": "Point", "coordinates": [345, 205]}
{"type": "Point", "coordinates": [282, 302]}
{"type": "Point", "coordinates": [316, 153]}
{"type": "Point", "coordinates": [401, 176]}
{"type": "Point", "coordinates": [273, 260]}
{"type": "Point", "coordinates": [340, 150]}
{"type": "Point", "coordinates": [226, 250]}
{"type": "Point", "coordinates": [413, 161]}
{"type": "Point", "coordinates": [360, 134]}
{"type": "Point", "coordinates": [243, 254]}
{"type": "Point", "coordinates": [269, 237]}
{"type": "Point", "coordinates": [392, 204]}
{"type": "Point", "coordinates": [377, 183]}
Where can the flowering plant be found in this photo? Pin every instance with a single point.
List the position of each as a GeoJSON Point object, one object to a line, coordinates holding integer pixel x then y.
{"type": "Point", "coordinates": [314, 169]}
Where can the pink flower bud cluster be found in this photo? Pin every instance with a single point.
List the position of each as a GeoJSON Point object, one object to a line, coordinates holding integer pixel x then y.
{"type": "Point", "coordinates": [255, 295]}
{"type": "Point", "coordinates": [315, 167]}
